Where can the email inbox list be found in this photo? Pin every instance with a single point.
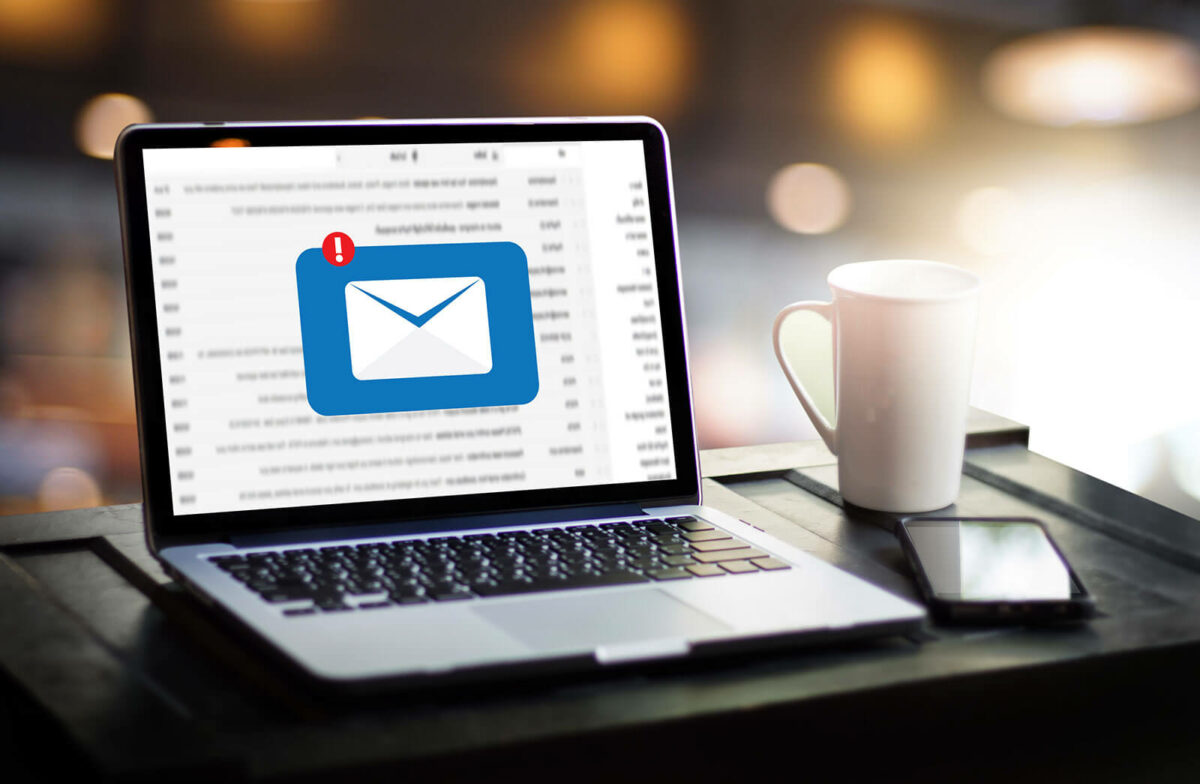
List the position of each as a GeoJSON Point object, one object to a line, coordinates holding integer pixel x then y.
{"type": "Point", "coordinates": [241, 434]}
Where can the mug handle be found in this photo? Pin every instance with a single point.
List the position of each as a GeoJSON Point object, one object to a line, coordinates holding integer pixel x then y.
{"type": "Point", "coordinates": [827, 431]}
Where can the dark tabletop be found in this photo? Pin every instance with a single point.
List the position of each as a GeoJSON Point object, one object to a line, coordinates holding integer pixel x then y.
{"type": "Point", "coordinates": [108, 670]}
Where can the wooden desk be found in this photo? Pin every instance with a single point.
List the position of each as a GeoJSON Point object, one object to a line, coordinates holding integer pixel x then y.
{"type": "Point", "coordinates": [105, 659]}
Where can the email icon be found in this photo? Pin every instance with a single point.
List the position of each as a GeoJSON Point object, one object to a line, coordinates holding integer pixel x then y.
{"type": "Point", "coordinates": [417, 327]}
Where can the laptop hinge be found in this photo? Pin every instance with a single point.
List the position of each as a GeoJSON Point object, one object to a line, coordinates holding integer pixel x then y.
{"type": "Point", "coordinates": [439, 525]}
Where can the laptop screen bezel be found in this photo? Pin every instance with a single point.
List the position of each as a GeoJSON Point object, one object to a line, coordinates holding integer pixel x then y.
{"type": "Point", "coordinates": [164, 525]}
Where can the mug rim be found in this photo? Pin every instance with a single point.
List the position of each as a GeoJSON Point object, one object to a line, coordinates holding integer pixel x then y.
{"type": "Point", "coordinates": [836, 280]}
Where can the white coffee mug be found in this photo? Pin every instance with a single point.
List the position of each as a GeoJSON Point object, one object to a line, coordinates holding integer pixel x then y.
{"type": "Point", "coordinates": [903, 344]}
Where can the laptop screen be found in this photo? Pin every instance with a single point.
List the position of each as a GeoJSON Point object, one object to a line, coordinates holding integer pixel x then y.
{"type": "Point", "coordinates": [372, 322]}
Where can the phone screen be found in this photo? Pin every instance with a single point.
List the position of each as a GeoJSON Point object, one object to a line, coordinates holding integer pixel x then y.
{"type": "Point", "coordinates": [977, 560]}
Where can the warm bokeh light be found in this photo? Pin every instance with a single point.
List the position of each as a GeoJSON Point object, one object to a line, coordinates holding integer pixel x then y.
{"type": "Point", "coordinates": [887, 87]}
{"type": "Point", "coordinates": [52, 30]}
{"type": "Point", "coordinates": [230, 142]}
{"type": "Point", "coordinates": [274, 27]}
{"type": "Point", "coordinates": [1094, 76]}
{"type": "Point", "coordinates": [68, 488]}
{"type": "Point", "coordinates": [808, 198]}
{"type": "Point", "coordinates": [610, 56]}
{"type": "Point", "coordinates": [102, 119]}
{"type": "Point", "coordinates": [990, 221]}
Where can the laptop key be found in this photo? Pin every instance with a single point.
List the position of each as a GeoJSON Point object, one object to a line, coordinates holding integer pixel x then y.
{"type": "Point", "coordinates": [770, 563]}
{"type": "Point", "coordinates": [450, 595]}
{"type": "Point", "coordinates": [742, 553]}
{"type": "Point", "coordinates": [739, 567]}
{"type": "Point", "coordinates": [674, 573]}
{"type": "Point", "coordinates": [617, 577]}
{"type": "Point", "coordinates": [678, 560]}
{"type": "Point", "coordinates": [695, 525]}
{"type": "Point", "coordinates": [705, 536]}
{"type": "Point", "coordinates": [294, 611]}
{"type": "Point", "coordinates": [408, 595]}
{"type": "Point", "coordinates": [581, 580]}
{"type": "Point", "coordinates": [718, 544]}
{"type": "Point", "coordinates": [706, 570]}
{"type": "Point", "coordinates": [287, 595]}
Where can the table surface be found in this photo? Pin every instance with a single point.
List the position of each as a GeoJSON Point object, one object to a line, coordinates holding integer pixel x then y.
{"type": "Point", "coordinates": [132, 679]}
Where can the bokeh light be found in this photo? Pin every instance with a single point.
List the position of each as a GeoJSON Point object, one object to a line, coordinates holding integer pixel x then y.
{"type": "Point", "coordinates": [52, 30]}
{"type": "Point", "coordinates": [808, 198]}
{"type": "Point", "coordinates": [1094, 76]}
{"type": "Point", "coordinates": [102, 119]}
{"type": "Point", "coordinates": [68, 488]}
{"type": "Point", "coordinates": [610, 56]}
{"type": "Point", "coordinates": [886, 86]}
{"type": "Point", "coordinates": [274, 27]}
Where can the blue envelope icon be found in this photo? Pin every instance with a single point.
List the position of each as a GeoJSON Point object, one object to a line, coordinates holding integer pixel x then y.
{"type": "Point", "coordinates": [417, 327]}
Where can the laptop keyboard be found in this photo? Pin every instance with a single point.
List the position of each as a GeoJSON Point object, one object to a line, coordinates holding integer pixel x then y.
{"type": "Point", "coordinates": [452, 568]}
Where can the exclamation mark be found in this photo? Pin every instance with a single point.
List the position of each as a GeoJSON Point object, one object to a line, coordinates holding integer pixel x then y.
{"type": "Point", "coordinates": [338, 249]}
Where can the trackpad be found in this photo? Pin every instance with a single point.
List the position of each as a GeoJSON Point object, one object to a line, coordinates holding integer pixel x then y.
{"type": "Point", "coordinates": [589, 621]}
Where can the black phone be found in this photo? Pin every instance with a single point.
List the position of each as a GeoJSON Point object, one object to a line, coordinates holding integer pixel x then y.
{"type": "Point", "coordinates": [989, 570]}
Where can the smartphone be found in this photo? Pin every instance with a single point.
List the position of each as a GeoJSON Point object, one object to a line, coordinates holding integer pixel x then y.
{"type": "Point", "coordinates": [990, 570]}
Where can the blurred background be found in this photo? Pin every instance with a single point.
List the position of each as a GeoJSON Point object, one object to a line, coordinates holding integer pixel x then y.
{"type": "Point", "coordinates": [1052, 147]}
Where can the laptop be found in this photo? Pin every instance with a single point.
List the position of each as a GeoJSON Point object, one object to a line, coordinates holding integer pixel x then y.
{"type": "Point", "coordinates": [414, 407]}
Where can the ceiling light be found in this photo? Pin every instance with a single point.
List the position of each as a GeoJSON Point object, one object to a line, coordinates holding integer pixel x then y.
{"type": "Point", "coordinates": [1094, 76]}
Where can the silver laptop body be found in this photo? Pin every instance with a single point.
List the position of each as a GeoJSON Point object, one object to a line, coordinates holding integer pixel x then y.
{"type": "Point", "coordinates": [291, 379]}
